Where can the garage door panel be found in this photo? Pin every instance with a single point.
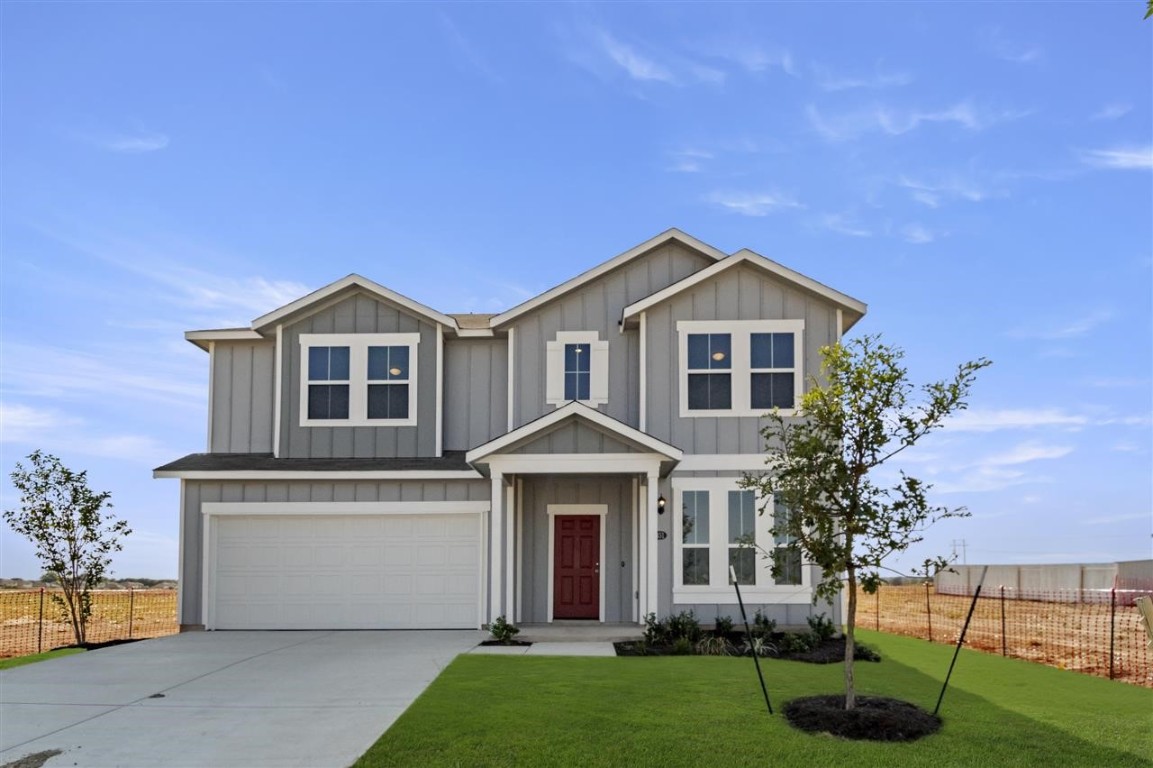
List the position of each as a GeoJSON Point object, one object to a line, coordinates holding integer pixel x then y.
{"type": "Point", "coordinates": [346, 572]}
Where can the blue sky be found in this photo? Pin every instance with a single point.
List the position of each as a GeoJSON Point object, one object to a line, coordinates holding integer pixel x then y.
{"type": "Point", "coordinates": [980, 174]}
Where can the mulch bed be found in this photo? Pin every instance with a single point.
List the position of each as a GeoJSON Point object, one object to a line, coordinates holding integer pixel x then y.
{"type": "Point", "coordinates": [98, 646]}
{"type": "Point", "coordinates": [506, 642]}
{"type": "Point", "coordinates": [875, 718]}
{"type": "Point", "coordinates": [830, 651]}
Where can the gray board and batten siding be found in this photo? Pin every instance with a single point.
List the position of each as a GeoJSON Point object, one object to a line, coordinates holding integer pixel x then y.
{"type": "Point", "coordinates": [741, 293]}
{"type": "Point", "coordinates": [198, 492]}
{"type": "Point", "coordinates": [242, 377]}
{"type": "Point", "coordinates": [475, 391]}
{"type": "Point", "coordinates": [616, 492]}
{"type": "Point", "coordinates": [596, 306]}
{"type": "Point", "coordinates": [359, 313]}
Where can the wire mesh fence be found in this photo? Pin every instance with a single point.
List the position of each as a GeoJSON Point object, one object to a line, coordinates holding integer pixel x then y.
{"type": "Point", "coordinates": [1097, 632]}
{"type": "Point", "coordinates": [32, 622]}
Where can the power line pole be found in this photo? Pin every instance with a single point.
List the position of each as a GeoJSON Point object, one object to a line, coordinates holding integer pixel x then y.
{"type": "Point", "coordinates": [963, 545]}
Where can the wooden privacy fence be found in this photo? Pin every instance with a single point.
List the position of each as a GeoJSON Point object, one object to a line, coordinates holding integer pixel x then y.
{"type": "Point", "coordinates": [31, 622]}
{"type": "Point", "coordinates": [1097, 632]}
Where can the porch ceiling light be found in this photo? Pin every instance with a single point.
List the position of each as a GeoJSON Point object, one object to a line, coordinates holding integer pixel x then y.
{"type": "Point", "coordinates": [718, 356]}
{"type": "Point", "coordinates": [661, 505]}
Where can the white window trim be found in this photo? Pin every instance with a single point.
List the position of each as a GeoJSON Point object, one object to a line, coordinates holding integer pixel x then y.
{"type": "Point", "coordinates": [719, 590]}
{"type": "Point", "coordinates": [358, 344]}
{"type": "Point", "coordinates": [741, 366]}
{"type": "Point", "coordinates": [598, 367]}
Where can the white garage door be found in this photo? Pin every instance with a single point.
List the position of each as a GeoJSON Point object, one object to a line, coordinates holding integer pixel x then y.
{"type": "Point", "coordinates": [345, 572]}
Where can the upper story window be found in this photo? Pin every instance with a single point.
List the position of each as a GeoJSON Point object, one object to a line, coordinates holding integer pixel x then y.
{"type": "Point", "coordinates": [356, 380]}
{"type": "Point", "coordinates": [578, 365]}
{"type": "Point", "coordinates": [740, 367]}
{"type": "Point", "coordinates": [720, 528]}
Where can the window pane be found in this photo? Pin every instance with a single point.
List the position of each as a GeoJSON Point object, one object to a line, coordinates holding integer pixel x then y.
{"type": "Point", "coordinates": [576, 386]}
{"type": "Point", "coordinates": [318, 363]}
{"type": "Point", "coordinates": [744, 561]}
{"type": "Point", "coordinates": [696, 566]}
{"type": "Point", "coordinates": [742, 516]}
{"type": "Point", "coordinates": [695, 517]}
{"type": "Point", "coordinates": [328, 401]}
{"type": "Point", "coordinates": [398, 363]}
{"type": "Point", "coordinates": [720, 350]}
{"type": "Point", "coordinates": [583, 386]}
{"type": "Point", "coordinates": [783, 350]}
{"type": "Point", "coordinates": [378, 363]}
{"type": "Point", "coordinates": [698, 391]}
{"type": "Point", "coordinates": [576, 357]}
{"type": "Point", "coordinates": [761, 350]}
{"type": "Point", "coordinates": [388, 401]}
{"type": "Point", "coordinates": [772, 390]}
{"type": "Point", "coordinates": [698, 350]}
{"type": "Point", "coordinates": [787, 565]}
{"type": "Point", "coordinates": [781, 516]}
{"type": "Point", "coordinates": [720, 391]}
{"type": "Point", "coordinates": [338, 364]}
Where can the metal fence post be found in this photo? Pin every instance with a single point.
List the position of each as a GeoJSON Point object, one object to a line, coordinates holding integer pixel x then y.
{"type": "Point", "coordinates": [131, 607]}
{"type": "Point", "coordinates": [1004, 642]}
{"type": "Point", "coordinates": [878, 608]}
{"type": "Point", "coordinates": [1112, 628]}
{"type": "Point", "coordinates": [40, 625]}
{"type": "Point", "coordinates": [929, 611]}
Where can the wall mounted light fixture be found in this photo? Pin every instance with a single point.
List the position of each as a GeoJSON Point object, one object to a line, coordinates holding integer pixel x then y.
{"type": "Point", "coordinates": [660, 505]}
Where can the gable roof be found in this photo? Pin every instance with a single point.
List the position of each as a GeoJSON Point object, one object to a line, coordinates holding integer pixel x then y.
{"type": "Point", "coordinates": [853, 309]}
{"type": "Point", "coordinates": [580, 411]}
{"type": "Point", "coordinates": [605, 267]}
{"type": "Point", "coordinates": [319, 298]}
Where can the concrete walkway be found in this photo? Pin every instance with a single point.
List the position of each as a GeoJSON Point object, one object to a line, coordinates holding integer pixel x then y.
{"type": "Point", "coordinates": [220, 699]}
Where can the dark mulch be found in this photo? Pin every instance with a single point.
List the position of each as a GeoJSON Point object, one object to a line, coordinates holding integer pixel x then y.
{"type": "Point", "coordinates": [98, 646]}
{"type": "Point", "coordinates": [506, 642]}
{"type": "Point", "coordinates": [875, 718]}
{"type": "Point", "coordinates": [830, 651]}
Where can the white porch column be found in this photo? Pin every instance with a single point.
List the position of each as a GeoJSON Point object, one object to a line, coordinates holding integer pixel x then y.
{"type": "Point", "coordinates": [496, 547]}
{"type": "Point", "coordinates": [510, 553]}
{"type": "Point", "coordinates": [650, 514]}
{"type": "Point", "coordinates": [642, 552]}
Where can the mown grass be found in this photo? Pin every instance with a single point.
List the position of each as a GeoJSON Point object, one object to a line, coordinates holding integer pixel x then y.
{"type": "Point", "coordinates": [692, 711]}
{"type": "Point", "coordinates": [32, 658]}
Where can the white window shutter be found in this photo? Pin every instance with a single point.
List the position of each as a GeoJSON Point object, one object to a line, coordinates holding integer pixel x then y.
{"type": "Point", "coordinates": [554, 372]}
{"type": "Point", "coordinates": [599, 372]}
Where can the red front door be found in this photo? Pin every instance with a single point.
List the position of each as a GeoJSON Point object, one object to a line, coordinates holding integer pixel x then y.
{"type": "Point", "coordinates": [576, 567]}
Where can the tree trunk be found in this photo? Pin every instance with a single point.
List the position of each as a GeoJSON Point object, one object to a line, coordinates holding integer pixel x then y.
{"type": "Point", "coordinates": [850, 640]}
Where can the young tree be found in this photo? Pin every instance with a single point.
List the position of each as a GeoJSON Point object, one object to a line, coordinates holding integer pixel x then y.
{"type": "Point", "coordinates": [64, 520]}
{"type": "Point", "coordinates": [859, 417]}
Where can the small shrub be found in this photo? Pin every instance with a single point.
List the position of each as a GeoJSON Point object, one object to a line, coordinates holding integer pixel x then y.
{"type": "Point", "coordinates": [684, 625]}
{"type": "Point", "coordinates": [656, 632]}
{"type": "Point", "coordinates": [797, 642]}
{"type": "Point", "coordinates": [715, 645]}
{"type": "Point", "coordinates": [821, 627]}
{"type": "Point", "coordinates": [762, 647]}
{"type": "Point", "coordinates": [682, 646]}
{"type": "Point", "coordinates": [723, 625]}
{"type": "Point", "coordinates": [763, 626]}
{"type": "Point", "coordinates": [865, 653]}
{"type": "Point", "coordinates": [502, 631]}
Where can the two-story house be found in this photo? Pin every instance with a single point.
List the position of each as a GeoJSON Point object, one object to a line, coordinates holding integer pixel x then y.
{"type": "Point", "coordinates": [374, 463]}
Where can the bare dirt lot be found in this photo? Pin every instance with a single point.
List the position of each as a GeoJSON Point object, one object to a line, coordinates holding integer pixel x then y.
{"type": "Point", "coordinates": [31, 622]}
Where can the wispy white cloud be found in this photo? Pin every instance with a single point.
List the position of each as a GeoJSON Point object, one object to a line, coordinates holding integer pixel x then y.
{"type": "Point", "coordinates": [18, 422]}
{"type": "Point", "coordinates": [1000, 46]}
{"type": "Point", "coordinates": [1074, 328]}
{"type": "Point", "coordinates": [828, 81]}
{"type": "Point", "coordinates": [933, 192]}
{"type": "Point", "coordinates": [635, 64]}
{"type": "Point", "coordinates": [753, 203]}
{"type": "Point", "coordinates": [895, 121]}
{"type": "Point", "coordinates": [1026, 452]}
{"type": "Point", "coordinates": [1120, 158]}
{"type": "Point", "coordinates": [125, 143]}
{"type": "Point", "coordinates": [55, 431]}
{"type": "Point", "coordinates": [467, 49]}
{"type": "Point", "coordinates": [1111, 519]}
{"type": "Point", "coordinates": [759, 59]}
{"type": "Point", "coordinates": [918, 234]}
{"type": "Point", "coordinates": [844, 224]}
{"type": "Point", "coordinates": [688, 160]}
{"type": "Point", "coordinates": [994, 420]}
{"type": "Point", "coordinates": [1112, 111]}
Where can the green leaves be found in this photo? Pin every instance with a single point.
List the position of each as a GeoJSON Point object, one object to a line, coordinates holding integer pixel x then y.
{"type": "Point", "coordinates": [861, 414]}
{"type": "Point", "coordinates": [65, 521]}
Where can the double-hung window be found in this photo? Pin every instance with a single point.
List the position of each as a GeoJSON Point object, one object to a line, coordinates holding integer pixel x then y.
{"type": "Point", "coordinates": [354, 380]}
{"type": "Point", "coordinates": [577, 368]}
{"type": "Point", "coordinates": [739, 367]}
{"type": "Point", "coordinates": [720, 528]}
{"type": "Point", "coordinates": [786, 555]}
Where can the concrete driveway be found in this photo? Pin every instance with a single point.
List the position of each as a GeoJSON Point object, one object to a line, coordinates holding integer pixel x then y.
{"type": "Point", "coordinates": [246, 699]}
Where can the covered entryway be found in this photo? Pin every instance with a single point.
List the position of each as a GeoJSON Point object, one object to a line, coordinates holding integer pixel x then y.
{"type": "Point", "coordinates": [342, 571]}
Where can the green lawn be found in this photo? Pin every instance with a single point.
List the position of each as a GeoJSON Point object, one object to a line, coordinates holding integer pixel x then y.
{"type": "Point", "coordinates": [695, 711]}
{"type": "Point", "coordinates": [19, 661]}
